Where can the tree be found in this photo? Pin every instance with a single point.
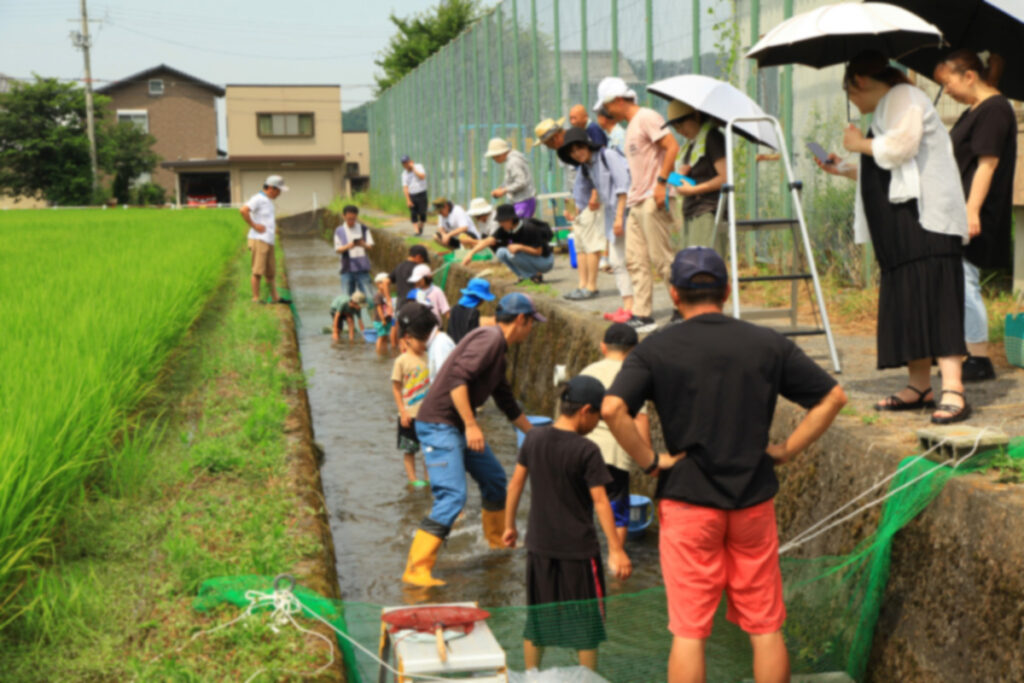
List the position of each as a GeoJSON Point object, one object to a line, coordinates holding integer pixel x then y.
{"type": "Point", "coordinates": [43, 145]}
{"type": "Point", "coordinates": [126, 154]}
{"type": "Point", "coordinates": [420, 36]}
{"type": "Point", "coordinates": [354, 120]}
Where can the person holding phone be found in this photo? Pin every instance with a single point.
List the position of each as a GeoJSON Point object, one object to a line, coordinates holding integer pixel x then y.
{"type": "Point", "coordinates": [352, 239]}
{"type": "Point", "coordinates": [910, 205]}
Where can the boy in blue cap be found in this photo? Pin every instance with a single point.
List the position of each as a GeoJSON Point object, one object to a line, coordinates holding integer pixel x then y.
{"type": "Point", "coordinates": [453, 443]}
{"type": "Point", "coordinates": [465, 315]}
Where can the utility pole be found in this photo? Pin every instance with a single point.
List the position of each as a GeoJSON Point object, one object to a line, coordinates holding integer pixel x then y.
{"type": "Point", "coordinates": [81, 40]}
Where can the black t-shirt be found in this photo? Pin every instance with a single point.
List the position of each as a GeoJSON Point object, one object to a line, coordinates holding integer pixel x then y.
{"type": "Point", "coordinates": [990, 129]}
{"type": "Point", "coordinates": [400, 279]}
{"type": "Point", "coordinates": [703, 171]}
{"type": "Point", "coordinates": [462, 321]}
{"type": "Point", "coordinates": [531, 233]}
{"type": "Point", "coordinates": [563, 467]}
{"type": "Point", "coordinates": [714, 381]}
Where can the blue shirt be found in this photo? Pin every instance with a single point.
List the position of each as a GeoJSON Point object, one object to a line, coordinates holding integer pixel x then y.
{"type": "Point", "coordinates": [608, 171]}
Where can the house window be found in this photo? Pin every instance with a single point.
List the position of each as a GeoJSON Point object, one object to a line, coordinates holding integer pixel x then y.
{"type": "Point", "coordinates": [284, 125]}
{"type": "Point", "coordinates": [139, 117]}
{"type": "Point", "coordinates": [352, 168]}
{"type": "Point", "coordinates": [156, 86]}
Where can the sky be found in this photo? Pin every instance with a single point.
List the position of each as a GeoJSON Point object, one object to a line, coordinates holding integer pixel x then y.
{"type": "Point", "coordinates": [221, 41]}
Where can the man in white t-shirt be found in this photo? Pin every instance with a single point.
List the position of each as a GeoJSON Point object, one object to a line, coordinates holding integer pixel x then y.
{"type": "Point", "coordinates": [258, 212]}
{"type": "Point", "coordinates": [453, 224]}
{"type": "Point", "coordinates": [414, 185]}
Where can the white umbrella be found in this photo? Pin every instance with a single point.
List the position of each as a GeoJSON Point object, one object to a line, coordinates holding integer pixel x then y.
{"type": "Point", "coordinates": [718, 99]}
{"type": "Point", "coordinates": [834, 34]}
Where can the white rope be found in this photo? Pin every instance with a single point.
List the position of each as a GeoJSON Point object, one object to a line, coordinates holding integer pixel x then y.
{"type": "Point", "coordinates": [816, 529]}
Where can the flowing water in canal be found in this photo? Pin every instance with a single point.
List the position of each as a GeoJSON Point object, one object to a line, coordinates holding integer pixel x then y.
{"type": "Point", "coordinates": [373, 514]}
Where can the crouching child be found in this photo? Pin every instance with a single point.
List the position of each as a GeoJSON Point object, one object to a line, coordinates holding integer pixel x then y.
{"type": "Point", "coordinates": [347, 311]}
{"type": "Point", "coordinates": [567, 482]}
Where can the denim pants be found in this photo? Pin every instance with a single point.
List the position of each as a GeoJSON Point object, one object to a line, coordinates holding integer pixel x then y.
{"type": "Point", "coordinates": [524, 265]}
{"type": "Point", "coordinates": [975, 315]}
{"type": "Point", "coordinates": [448, 459]}
{"type": "Point", "coordinates": [352, 281]}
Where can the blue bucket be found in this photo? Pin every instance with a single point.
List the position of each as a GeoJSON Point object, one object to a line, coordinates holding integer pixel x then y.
{"type": "Point", "coordinates": [572, 251]}
{"type": "Point", "coordinates": [370, 336]}
{"type": "Point", "coordinates": [641, 512]}
{"type": "Point", "coordinates": [536, 421]}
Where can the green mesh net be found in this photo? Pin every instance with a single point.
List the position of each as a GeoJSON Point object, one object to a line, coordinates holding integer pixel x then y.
{"type": "Point", "coordinates": [832, 604]}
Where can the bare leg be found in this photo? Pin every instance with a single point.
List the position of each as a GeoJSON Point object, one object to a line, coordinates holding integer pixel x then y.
{"type": "Point", "coordinates": [532, 655]}
{"type": "Point", "coordinates": [920, 378]}
{"type": "Point", "coordinates": [588, 658]}
{"type": "Point", "coordinates": [951, 367]}
{"type": "Point", "coordinates": [409, 459]}
{"type": "Point", "coordinates": [593, 264]}
{"type": "Point", "coordinates": [581, 268]}
{"type": "Point", "coordinates": [771, 661]}
{"type": "Point", "coordinates": [686, 661]}
{"type": "Point", "coordinates": [977, 349]}
{"type": "Point", "coordinates": [382, 345]}
{"type": "Point", "coordinates": [627, 303]}
{"type": "Point", "coordinates": [255, 287]}
{"type": "Point", "coordinates": [273, 289]}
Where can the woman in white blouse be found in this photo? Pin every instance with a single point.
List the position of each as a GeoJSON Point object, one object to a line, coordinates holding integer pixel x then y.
{"type": "Point", "coordinates": [910, 205]}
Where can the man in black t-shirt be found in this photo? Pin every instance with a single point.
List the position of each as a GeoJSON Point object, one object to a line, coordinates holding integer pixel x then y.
{"type": "Point", "coordinates": [567, 481]}
{"type": "Point", "coordinates": [524, 245]}
{"type": "Point", "coordinates": [399, 277]}
{"type": "Point", "coordinates": [714, 381]}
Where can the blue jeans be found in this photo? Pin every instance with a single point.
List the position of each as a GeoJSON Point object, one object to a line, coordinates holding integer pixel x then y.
{"type": "Point", "coordinates": [524, 265]}
{"type": "Point", "coordinates": [975, 315]}
{"type": "Point", "coordinates": [351, 281]}
{"type": "Point", "coordinates": [448, 460]}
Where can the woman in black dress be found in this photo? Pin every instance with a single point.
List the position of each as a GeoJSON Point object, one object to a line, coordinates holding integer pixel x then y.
{"type": "Point", "coordinates": [910, 205]}
{"type": "Point", "coordinates": [985, 146]}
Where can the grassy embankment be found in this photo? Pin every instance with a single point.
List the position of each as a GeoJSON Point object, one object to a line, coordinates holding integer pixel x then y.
{"type": "Point", "coordinates": [125, 480]}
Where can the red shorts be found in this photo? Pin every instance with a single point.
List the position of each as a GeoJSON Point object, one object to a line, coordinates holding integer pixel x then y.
{"type": "Point", "coordinates": [705, 551]}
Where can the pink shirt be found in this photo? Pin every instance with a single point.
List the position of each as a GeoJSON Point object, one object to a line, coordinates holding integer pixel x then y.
{"type": "Point", "coordinates": [644, 154]}
{"type": "Point", "coordinates": [433, 296]}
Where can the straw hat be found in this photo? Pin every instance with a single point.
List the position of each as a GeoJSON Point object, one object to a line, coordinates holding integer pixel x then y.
{"type": "Point", "coordinates": [479, 207]}
{"type": "Point", "coordinates": [677, 110]}
{"type": "Point", "coordinates": [496, 147]}
{"type": "Point", "coordinates": [546, 128]}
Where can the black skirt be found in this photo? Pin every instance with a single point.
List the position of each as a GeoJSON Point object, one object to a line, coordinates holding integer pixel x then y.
{"type": "Point", "coordinates": [921, 297]}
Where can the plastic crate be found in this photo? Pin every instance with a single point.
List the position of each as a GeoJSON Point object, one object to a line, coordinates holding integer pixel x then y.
{"type": "Point", "coordinates": [1014, 339]}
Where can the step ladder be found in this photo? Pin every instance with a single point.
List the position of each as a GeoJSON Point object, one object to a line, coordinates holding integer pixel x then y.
{"type": "Point", "coordinates": [803, 257]}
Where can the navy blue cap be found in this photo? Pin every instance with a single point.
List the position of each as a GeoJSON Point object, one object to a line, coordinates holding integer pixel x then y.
{"type": "Point", "coordinates": [519, 304]}
{"type": "Point", "coordinates": [699, 261]}
{"type": "Point", "coordinates": [405, 159]}
{"type": "Point", "coordinates": [584, 389]}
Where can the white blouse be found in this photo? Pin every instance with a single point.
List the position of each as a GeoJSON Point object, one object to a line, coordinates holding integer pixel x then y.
{"type": "Point", "coordinates": [911, 142]}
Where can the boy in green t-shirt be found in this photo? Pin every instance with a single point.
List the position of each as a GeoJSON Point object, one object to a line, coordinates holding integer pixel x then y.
{"type": "Point", "coordinates": [345, 310]}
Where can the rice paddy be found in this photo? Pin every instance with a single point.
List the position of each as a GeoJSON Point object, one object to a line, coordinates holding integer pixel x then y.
{"type": "Point", "coordinates": [92, 304]}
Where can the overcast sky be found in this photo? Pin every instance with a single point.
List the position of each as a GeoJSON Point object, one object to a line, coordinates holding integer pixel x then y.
{"type": "Point", "coordinates": [222, 41]}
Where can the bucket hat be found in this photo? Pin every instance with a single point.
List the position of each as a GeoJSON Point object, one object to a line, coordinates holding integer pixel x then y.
{"type": "Point", "coordinates": [479, 207]}
{"type": "Point", "coordinates": [575, 136]}
{"type": "Point", "coordinates": [506, 212]}
{"type": "Point", "coordinates": [496, 147]}
{"type": "Point", "coordinates": [545, 129]}
{"type": "Point", "coordinates": [477, 290]}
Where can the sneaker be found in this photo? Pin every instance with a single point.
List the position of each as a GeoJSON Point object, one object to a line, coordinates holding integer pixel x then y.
{"type": "Point", "coordinates": [537, 278]}
{"type": "Point", "coordinates": [677, 317]}
{"type": "Point", "coordinates": [978, 369]}
{"type": "Point", "coordinates": [588, 293]}
{"type": "Point", "coordinates": [642, 324]}
{"type": "Point", "coordinates": [574, 294]}
{"type": "Point", "coordinates": [604, 265]}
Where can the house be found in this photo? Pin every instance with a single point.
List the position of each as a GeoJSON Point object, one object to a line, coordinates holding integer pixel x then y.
{"type": "Point", "coordinates": [356, 147]}
{"type": "Point", "coordinates": [176, 108]}
{"type": "Point", "coordinates": [291, 130]}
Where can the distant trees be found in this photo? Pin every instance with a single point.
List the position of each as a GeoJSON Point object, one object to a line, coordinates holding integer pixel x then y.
{"type": "Point", "coordinates": [420, 36]}
{"type": "Point", "coordinates": [354, 120]}
{"type": "Point", "coordinates": [44, 149]}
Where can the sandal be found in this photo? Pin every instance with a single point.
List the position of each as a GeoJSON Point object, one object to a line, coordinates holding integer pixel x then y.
{"type": "Point", "coordinates": [895, 403]}
{"type": "Point", "coordinates": [956, 413]}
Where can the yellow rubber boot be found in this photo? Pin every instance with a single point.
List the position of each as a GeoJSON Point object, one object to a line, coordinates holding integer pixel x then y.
{"type": "Point", "coordinates": [422, 556]}
{"type": "Point", "coordinates": [494, 527]}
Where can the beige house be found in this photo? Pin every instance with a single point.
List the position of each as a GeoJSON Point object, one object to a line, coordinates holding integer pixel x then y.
{"type": "Point", "coordinates": [291, 130]}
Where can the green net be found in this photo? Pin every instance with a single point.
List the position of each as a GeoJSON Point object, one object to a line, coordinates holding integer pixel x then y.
{"type": "Point", "coordinates": [832, 603]}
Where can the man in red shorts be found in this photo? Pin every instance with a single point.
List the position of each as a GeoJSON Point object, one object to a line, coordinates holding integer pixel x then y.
{"type": "Point", "coordinates": [714, 381]}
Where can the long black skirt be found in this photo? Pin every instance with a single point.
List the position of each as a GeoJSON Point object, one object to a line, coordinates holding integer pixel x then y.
{"type": "Point", "coordinates": [921, 298]}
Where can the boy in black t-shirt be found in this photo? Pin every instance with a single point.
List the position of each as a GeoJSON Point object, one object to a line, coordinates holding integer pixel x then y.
{"type": "Point", "coordinates": [567, 481]}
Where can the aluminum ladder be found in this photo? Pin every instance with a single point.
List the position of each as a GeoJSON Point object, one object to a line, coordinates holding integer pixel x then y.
{"type": "Point", "coordinates": [798, 228]}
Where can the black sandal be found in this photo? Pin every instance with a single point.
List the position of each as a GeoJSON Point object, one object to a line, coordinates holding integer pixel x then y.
{"type": "Point", "coordinates": [956, 413]}
{"type": "Point", "coordinates": [896, 403]}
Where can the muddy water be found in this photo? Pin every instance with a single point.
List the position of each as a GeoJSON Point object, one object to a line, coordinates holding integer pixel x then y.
{"type": "Point", "coordinates": [372, 512]}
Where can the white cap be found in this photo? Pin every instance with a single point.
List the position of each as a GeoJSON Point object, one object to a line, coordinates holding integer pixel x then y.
{"type": "Point", "coordinates": [421, 271]}
{"type": "Point", "coordinates": [479, 207]}
{"type": "Point", "coordinates": [496, 147]}
{"type": "Point", "coordinates": [611, 87]}
{"type": "Point", "coordinates": [381, 277]}
{"type": "Point", "coordinates": [275, 181]}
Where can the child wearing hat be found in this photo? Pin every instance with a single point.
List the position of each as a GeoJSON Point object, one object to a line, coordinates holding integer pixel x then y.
{"type": "Point", "coordinates": [567, 483]}
{"type": "Point", "coordinates": [427, 293]}
{"type": "Point", "coordinates": [347, 311]}
{"type": "Point", "coordinates": [383, 311]}
{"type": "Point", "coordinates": [465, 315]}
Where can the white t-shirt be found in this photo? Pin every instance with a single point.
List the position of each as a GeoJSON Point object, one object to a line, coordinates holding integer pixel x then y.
{"type": "Point", "coordinates": [413, 181]}
{"type": "Point", "coordinates": [458, 218]}
{"type": "Point", "coordinates": [261, 212]}
{"type": "Point", "coordinates": [353, 233]}
{"type": "Point", "coordinates": [439, 347]}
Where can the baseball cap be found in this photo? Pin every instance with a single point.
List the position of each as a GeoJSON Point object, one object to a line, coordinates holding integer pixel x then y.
{"type": "Point", "coordinates": [421, 271]}
{"type": "Point", "coordinates": [381, 277]}
{"type": "Point", "coordinates": [584, 389]}
{"type": "Point", "coordinates": [419, 250]}
{"type": "Point", "coordinates": [621, 334]}
{"type": "Point", "coordinates": [698, 261]}
{"type": "Point", "coordinates": [611, 87]}
{"type": "Point", "coordinates": [519, 304]}
{"type": "Point", "coordinates": [275, 181]}
{"type": "Point", "coordinates": [416, 319]}
{"type": "Point", "coordinates": [405, 159]}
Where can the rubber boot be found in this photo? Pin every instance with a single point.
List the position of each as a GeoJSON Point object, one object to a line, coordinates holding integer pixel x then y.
{"type": "Point", "coordinates": [494, 527]}
{"type": "Point", "coordinates": [422, 556]}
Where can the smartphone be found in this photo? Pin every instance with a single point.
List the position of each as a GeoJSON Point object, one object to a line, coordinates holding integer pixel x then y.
{"type": "Point", "coordinates": [819, 152]}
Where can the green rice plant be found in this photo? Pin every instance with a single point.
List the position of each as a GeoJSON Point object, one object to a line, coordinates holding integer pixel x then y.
{"type": "Point", "coordinates": [92, 302]}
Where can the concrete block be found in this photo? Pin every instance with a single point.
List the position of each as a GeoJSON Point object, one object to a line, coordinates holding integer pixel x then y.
{"type": "Point", "coordinates": [959, 439]}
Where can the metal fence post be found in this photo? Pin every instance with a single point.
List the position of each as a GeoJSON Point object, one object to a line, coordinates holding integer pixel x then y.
{"type": "Point", "coordinates": [615, 39]}
{"type": "Point", "coordinates": [649, 40]}
{"type": "Point", "coordinates": [584, 67]}
{"type": "Point", "coordinates": [475, 131]}
{"type": "Point", "coordinates": [500, 130]}
{"type": "Point", "coordinates": [518, 77]}
{"type": "Point", "coordinates": [535, 75]}
{"type": "Point", "coordinates": [695, 5]}
{"type": "Point", "coordinates": [488, 44]}
{"type": "Point", "coordinates": [787, 110]}
{"type": "Point", "coordinates": [752, 170]}
{"type": "Point", "coordinates": [560, 102]}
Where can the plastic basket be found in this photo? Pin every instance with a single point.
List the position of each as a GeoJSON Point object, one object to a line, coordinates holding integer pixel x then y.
{"type": "Point", "coordinates": [536, 421]}
{"type": "Point", "coordinates": [452, 256]}
{"type": "Point", "coordinates": [1014, 339]}
{"type": "Point", "coordinates": [370, 336]}
{"type": "Point", "coordinates": [641, 512]}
